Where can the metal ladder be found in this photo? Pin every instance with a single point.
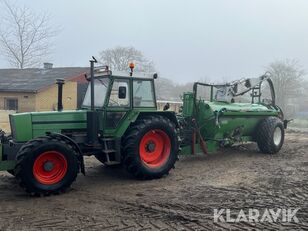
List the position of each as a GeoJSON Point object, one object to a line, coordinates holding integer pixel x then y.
{"type": "Point", "coordinates": [108, 151]}
{"type": "Point", "coordinates": [256, 93]}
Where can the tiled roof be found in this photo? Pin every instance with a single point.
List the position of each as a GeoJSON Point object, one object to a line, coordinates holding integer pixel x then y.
{"type": "Point", "coordinates": [35, 79]}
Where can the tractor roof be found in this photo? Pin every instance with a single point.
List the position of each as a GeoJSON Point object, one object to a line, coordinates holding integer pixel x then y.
{"type": "Point", "coordinates": [101, 71]}
{"type": "Point", "coordinates": [135, 74]}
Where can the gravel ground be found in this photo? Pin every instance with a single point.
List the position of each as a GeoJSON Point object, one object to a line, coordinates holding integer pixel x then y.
{"type": "Point", "coordinates": [109, 199]}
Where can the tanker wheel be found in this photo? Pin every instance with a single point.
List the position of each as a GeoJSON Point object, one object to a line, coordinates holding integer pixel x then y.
{"type": "Point", "coordinates": [150, 147]}
{"type": "Point", "coordinates": [270, 135]}
{"type": "Point", "coordinates": [46, 166]}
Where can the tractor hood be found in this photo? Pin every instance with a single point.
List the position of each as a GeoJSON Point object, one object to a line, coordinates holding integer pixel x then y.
{"type": "Point", "coordinates": [26, 126]}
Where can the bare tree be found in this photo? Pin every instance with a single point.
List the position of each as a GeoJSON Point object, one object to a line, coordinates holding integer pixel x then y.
{"type": "Point", "coordinates": [24, 36]}
{"type": "Point", "coordinates": [119, 57]}
{"type": "Point", "coordinates": [287, 76]}
{"type": "Point", "coordinates": [165, 89]}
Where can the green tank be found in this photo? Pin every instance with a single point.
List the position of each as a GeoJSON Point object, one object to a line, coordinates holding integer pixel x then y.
{"type": "Point", "coordinates": [215, 116]}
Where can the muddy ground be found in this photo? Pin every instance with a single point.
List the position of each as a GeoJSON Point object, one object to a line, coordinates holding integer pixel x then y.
{"type": "Point", "coordinates": [109, 199]}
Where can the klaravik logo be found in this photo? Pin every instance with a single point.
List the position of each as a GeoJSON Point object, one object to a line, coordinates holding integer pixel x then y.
{"type": "Point", "coordinates": [256, 215]}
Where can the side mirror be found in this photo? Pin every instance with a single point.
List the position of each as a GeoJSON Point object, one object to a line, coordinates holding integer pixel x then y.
{"type": "Point", "coordinates": [122, 92]}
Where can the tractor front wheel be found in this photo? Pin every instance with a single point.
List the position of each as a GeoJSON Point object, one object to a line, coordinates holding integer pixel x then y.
{"type": "Point", "coordinates": [150, 147]}
{"type": "Point", "coordinates": [270, 135]}
{"type": "Point", "coordinates": [46, 166]}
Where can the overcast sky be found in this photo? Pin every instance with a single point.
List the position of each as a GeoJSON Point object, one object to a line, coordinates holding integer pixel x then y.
{"type": "Point", "coordinates": [187, 40]}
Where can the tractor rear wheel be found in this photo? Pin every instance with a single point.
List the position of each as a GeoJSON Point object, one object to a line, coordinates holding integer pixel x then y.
{"type": "Point", "coordinates": [46, 166]}
{"type": "Point", "coordinates": [150, 147]}
{"type": "Point", "coordinates": [270, 135]}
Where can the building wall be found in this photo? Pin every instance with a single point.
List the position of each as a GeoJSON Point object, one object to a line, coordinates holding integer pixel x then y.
{"type": "Point", "coordinates": [46, 99]}
{"type": "Point", "coordinates": [81, 92]}
{"type": "Point", "coordinates": [4, 120]}
{"type": "Point", "coordinates": [174, 106]}
{"type": "Point", "coordinates": [26, 101]}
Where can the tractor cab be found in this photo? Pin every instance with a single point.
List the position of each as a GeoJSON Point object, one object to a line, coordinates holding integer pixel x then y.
{"type": "Point", "coordinates": [121, 90]}
{"type": "Point", "coordinates": [117, 95]}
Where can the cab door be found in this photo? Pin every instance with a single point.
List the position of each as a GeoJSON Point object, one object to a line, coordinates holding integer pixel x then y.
{"type": "Point", "coordinates": [118, 104]}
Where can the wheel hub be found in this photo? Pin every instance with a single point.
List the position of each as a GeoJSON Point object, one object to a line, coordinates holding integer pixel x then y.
{"type": "Point", "coordinates": [150, 147]}
{"type": "Point", "coordinates": [155, 148]}
{"type": "Point", "coordinates": [48, 166]}
{"type": "Point", "coordinates": [277, 136]}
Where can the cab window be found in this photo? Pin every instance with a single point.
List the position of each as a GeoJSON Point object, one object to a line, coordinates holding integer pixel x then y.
{"type": "Point", "coordinates": [143, 93]}
{"type": "Point", "coordinates": [100, 91]}
{"type": "Point", "coordinates": [119, 96]}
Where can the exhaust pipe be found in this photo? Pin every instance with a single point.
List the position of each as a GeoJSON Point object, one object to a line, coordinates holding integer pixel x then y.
{"type": "Point", "coordinates": [60, 83]}
{"type": "Point", "coordinates": [92, 118]}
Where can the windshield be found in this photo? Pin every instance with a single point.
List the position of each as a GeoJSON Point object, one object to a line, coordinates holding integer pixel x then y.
{"type": "Point", "coordinates": [143, 93]}
{"type": "Point", "coordinates": [100, 90]}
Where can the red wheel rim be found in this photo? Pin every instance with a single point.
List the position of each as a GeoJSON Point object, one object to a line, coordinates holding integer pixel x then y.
{"type": "Point", "coordinates": [50, 167]}
{"type": "Point", "coordinates": [154, 148]}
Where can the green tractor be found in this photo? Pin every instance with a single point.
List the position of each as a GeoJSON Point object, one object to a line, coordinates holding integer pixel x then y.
{"type": "Point", "coordinates": [119, 124]}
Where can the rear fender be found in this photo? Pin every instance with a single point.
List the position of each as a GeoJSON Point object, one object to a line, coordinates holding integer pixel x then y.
{"type": "Point", "coordinates": [168, 114]}
{"type": "Point", "coordinates": [134, 115]}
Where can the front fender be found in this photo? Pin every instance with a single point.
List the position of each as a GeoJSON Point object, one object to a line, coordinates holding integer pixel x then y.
{"type": "Point", "coordinates": [74, 144]}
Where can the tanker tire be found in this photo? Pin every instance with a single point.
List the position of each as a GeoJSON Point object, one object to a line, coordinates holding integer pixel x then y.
{"type": "Point", "coordinates": [270, 135]}
{"type": "Point", "coordinates": [29, 153]}
{"type": "Point", "coordinates": [131, 145]}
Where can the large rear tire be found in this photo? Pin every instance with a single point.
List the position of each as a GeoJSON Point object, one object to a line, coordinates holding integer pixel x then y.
{"type": "Point", "coordinates": [46, 166]}
{"type": "Point", "coordinates": [150, 147]}
{"type": "Point", "coordinates": [270, 135]}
